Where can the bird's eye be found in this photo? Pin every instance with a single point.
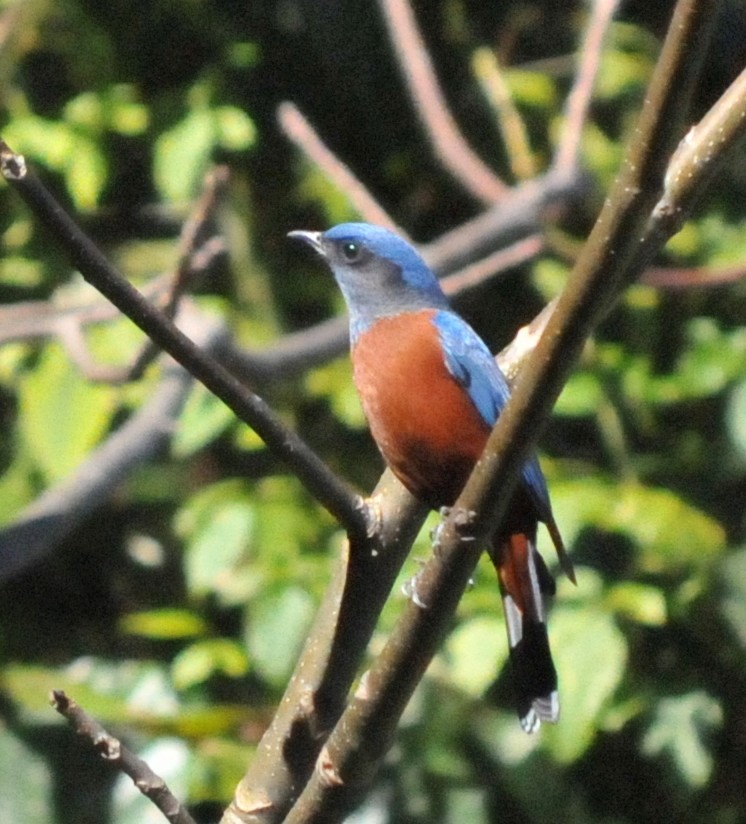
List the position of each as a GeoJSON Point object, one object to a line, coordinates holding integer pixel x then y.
{"type": "Point", "coordinates": [351, 251]}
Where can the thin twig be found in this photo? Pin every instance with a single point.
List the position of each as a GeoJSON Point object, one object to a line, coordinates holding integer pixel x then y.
{"type": "Point", "coordinates": [297, 128]}
{"type": "Point", "coordinates": [578, 102]}
{"type": "Point", "coordinates": [495, 87]}
{"type": "Point", "coordinates": [111, 749]}
{"type": "Point", "coordinates": [498, 262]}
{"type": "Point", "coordinates": [449, 144]}
{"type": "Point", "coordinates": [521, 213]}
{"type": "Point", "coordinates": [695, 277]}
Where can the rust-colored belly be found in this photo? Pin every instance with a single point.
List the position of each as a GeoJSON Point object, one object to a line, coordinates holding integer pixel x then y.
{"type": "Point", "coordinates": [423, 421]}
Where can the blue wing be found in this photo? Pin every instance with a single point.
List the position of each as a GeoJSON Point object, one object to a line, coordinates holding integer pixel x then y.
{"type": "Point", "coordinates": [471, 363]}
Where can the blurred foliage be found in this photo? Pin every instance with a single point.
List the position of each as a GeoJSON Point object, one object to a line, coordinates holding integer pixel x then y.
{"type": "Point", "coordinates": [175, 613]}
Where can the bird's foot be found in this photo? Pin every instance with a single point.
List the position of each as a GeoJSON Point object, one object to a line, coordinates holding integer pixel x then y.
{"type": "Point", "coordinates": [410, 588]}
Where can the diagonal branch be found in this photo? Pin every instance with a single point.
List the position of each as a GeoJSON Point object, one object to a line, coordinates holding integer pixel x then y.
{"type": "Point", "coordinates": [451, 148]}
{"type": "Point", "coordinates": [112, 750]}
{"type": "Point", "coordinates": [578, 102]}
{"type": "Point", "coordinates": [326, 487]}
{"type": "Point", "coordinates": [303, 135]}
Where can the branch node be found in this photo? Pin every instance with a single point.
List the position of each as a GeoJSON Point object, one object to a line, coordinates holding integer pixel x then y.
{"type": "Point", "coordinates": [12, 165]}
{"type": "Point", "coordinates": [328, 773]}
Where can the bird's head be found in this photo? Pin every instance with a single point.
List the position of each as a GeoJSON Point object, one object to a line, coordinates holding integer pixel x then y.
{"type": "Point", "coordinates": [379, 273]}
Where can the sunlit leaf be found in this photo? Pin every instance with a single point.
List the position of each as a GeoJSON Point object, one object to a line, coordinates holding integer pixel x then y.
{"type": "Point", "coordinates": [182, 155]}
{"type": "Point", "coordinates": [25, 781]}
{"type": "Point", "coordinates": [202, 419]}
{"type": "Point", "coordinates": [197, 662]}
{"type": "Point", "coordinates": [736, 419]}
{"type": "Point", "coordinates": [668, 532]}
{"type": "Point", "coordinates": [163, 624]}
{"type": "Point", "coordinates": [683, 729]}
{"type": "Point", "coordinates": [277, 624]}
{"type": "Point", "coordinates": [531, 88]}
{"type": "Point", "coordinates": [218, 524]}
{"type": "Point", "coordinates": [580, 397]}
{"type": "Point", "coordinates": [334, 381]}
{"type": "Point", "coordinates": [641, 603]}
{"type": "Point", "coordinates": [63, 416]}
{"type": "Point", "coordinates": [590, 655]}
{"type": "Point", "coordinates": [475, 652]}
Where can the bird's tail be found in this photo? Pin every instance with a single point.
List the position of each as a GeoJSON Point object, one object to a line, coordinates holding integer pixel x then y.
{"type": "Point", "coordinates": [525, 582]}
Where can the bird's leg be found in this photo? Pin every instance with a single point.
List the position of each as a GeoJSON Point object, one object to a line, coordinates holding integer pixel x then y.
{"type": "Point", "coordinates": [463, 521]}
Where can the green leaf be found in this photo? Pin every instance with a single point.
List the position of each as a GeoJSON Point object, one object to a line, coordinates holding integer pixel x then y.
{"type": "Point", "coordinates": [62, 415]}
{"type": "Point", "coordinates": [163, 624]}
{"type": "Point", "coordinates": [638, 602]}
{"type": "Point", "coordinates": [218, 524]}
{"type": "Point", "coordinates": [531, 88]}
{"type": "Point", "coordinates": [86, 173]}
{"type": "Point", "coordinates": [111, 692]}
{"type": "Point", "coordinates": [195, 664]}
{"type": "Point", "coordinates": [182, 154]}
{"type": "Point", "coordinates": [334, 381]}
{"type": "Point", "coordinates": [669, 533]}
{"type": "Point", "coordinates": [475, 652]}
{"type": "Point", "coordinates": [277, 624]}
{"type": "Point", "coordinates": [580, 397]}
{"type": "Point", "coordinates": [25, 782]}
{"type": "Point", "coordinates": [683, 729]}
{"type": "Point", "coordinates": [203, 418]}
{"type": "Point", "coordinates": [590, 655]}
{"type": "Point", "coordinates": [736, 419]}
{"type": "Point", "coordinates": [236, 130]}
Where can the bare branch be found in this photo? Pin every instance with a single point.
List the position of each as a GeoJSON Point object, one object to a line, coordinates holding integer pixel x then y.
{"type": "Point", "coordinates": [567, 156]}
{"type": "Point", "coordinates": [670, 277]}
{"type": "Point", "coordinates": [450, 147]}
{"type": "Point", "coordinates": [495, 87]}
{"type": "Point", "coordinates": [498, 262]}
{"type": "Point", "coordinates": [317, 692]}
{"type": "Point", "coordinates": [111, 749]}
{"type": "Point", "coordinates": [326, 487]}
{"type": "Point", "coordinates": [297, 128]}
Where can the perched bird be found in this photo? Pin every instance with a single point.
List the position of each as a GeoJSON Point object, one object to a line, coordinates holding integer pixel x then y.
{"type": "Point", "coordinates": [431, 392]}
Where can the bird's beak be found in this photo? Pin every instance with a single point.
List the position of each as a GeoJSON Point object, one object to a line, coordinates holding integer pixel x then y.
{"type": "Point", "coordinates": [313, 239]}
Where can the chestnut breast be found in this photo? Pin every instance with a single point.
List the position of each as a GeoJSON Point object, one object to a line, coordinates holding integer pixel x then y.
{"type": "Point", "coordinates": [426, 426]}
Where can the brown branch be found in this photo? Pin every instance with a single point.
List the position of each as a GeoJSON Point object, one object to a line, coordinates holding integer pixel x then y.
{"type": "Point", "coordinates": [451, 149]}
{"type": "Point", "coordinates": [197, 252]}
{"type": "Point", "coordinates": [317, 692]}
{"type": "Point", "coordinates": [327, 488]}
{"type": "Point", "coordinates": [297, 129]}
{"type": "Point", "coordinates": [695, 277]}
{"type": "Point", "coordinates": [111, 749]}
{"type": "Point", "coordinates": [578, 102]}
{"type": "Point", "coordinates": [491, 78]}
{"type": "Point", "coordinates": [503, 260]}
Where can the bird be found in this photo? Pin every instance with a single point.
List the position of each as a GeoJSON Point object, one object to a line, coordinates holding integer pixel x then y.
{"type": "Point", "coordinates": [431, 392]}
